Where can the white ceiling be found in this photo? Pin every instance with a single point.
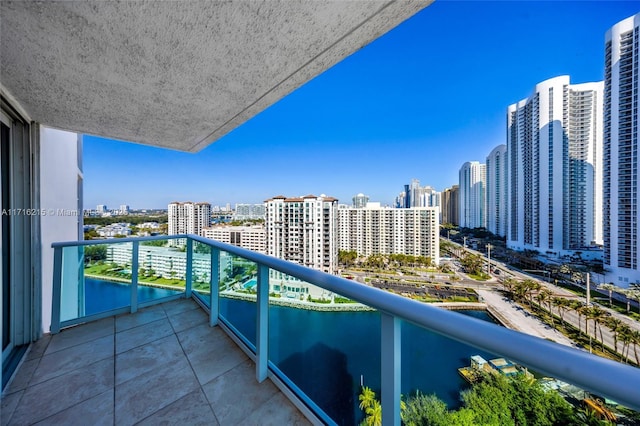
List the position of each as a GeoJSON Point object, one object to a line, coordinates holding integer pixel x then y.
{"type": "Point", "coordinates": [175, 74]}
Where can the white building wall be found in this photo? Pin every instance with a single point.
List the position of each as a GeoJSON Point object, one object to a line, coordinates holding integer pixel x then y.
{"type": "Point", "coordinates": [621, 165]}
{"type": "Point", "coordinates": [553, 145]}
{"type": "Point", "coordinates": [60, 199]}
{"type": "Point", "coordinates": [249, 237]}
{"type": "Point", "coordinates": [496, 193]}
{"type": "Point", "coordinates": [472, 181]}
{"type": "Point", "coordinates": [383, 230]}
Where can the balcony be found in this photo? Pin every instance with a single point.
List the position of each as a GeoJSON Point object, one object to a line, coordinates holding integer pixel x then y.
{"type": "Point", "coordinates": [163, 363]}
{"type": "Point", "coordinates": [231, 318]}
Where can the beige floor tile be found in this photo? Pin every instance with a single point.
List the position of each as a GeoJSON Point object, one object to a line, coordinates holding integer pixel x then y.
{"type": "Point", "coordinates": [97, 411]}
{"type": "Point", "coordinates": [129, 339]}
{"type": "Point", "coordinates": [144, 395]}
{"type": "Point", "coordinates": [72, 358]}
{"type": "Point", "coordinates": [148, 358]}
{"type": "Point", "coordinates": [188, 319]}
{"type": "Point", "coordinates": [8, 405]}
{"type": "Point", "coordinates": [236, 394]}
{"type": "Point", "coordinates": [80, 334]}
{"type": "Point", "coordinates": [144, 316]}
{"type": "Point", "coordinates": [53, 396]}
{"type": "Point", "coordinates": [192, 410]}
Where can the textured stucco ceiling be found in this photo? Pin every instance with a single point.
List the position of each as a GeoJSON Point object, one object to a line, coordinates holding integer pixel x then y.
{"type": "Point", "coordinates": [176, 74]}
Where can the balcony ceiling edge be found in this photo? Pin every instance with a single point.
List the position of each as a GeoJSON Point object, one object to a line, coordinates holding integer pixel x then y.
{"type": "Point", "coordinates": [177, 75]}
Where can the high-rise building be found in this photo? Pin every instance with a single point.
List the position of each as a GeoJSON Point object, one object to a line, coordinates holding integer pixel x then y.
{"type": "Point", "coordinates": [124, 209]}
{"type": "Point", "coordinates": [471, 208]}
{"type": "Point", "coordinates": [360, 201]}
{"type": "Point", "coordinates": [188, 217]}
{"type": "Point", "coordinates": [621, 226]}
{"type": "Point", "coordinates": [249, 211]}
{"type": "Point", "coordinates": [450, 202]}
{"type": "Point", "coordinates": [415, 195]}
{"type": "Point", "coordinates": [496, 191]}
{"type": "Point", "coordinates": [384, 230]}
{"type": "Point", "coordinates": [303, 230]}
{"type": "Point", "coordinates": [101, 208]}
{"type": "Point", "coordinates": [249, 237]}
{"type": "Point", "coordinates": [554, 143]}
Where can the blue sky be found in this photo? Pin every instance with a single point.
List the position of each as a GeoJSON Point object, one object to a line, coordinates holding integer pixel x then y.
{"type": "Point", "coordinates": [416, 103]}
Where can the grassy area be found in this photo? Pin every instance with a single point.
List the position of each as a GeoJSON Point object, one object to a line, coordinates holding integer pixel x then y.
{"type": "Point", "coordinates": [479, 277]}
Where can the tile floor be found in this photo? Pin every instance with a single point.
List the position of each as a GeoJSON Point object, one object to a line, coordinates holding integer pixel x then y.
{"type": "Point", "coordinates": [162, 365]}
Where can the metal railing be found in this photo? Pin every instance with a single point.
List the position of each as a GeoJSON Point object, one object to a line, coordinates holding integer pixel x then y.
{"type": "Point", "coordinates": [605, 377]}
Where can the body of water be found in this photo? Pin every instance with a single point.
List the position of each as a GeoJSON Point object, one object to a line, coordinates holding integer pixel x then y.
{"type": "Point", "coordinates": [328, 354]}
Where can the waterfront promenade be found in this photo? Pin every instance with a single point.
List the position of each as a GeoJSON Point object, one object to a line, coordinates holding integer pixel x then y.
{"type": "Point", "coordinates": [516, 318]}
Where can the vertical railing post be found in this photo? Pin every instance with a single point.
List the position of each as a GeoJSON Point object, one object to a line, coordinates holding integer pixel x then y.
{"type": "Point", "coordinates": [390, 369]}
{"type": "Point", "coordinates": [214, 287]}
{"type": "Point", "coordinates": [134, 276]}
{"type": "Point", "coordinates": [189, 269]}
{"type": "Point", "coordinates": [262, 335]}
{"type": "Point", "coordinates": [57, 290]}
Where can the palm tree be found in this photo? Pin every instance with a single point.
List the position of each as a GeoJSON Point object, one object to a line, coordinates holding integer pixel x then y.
{"type": "Point", "coordinates": [374, 414]}
{"type": "Point", "coordinates": [598, 315]}
{"type": "Point", "coordinates": [615, 325]}
{"type": "Point", "coordinates": [562, 305]}
{"type": "Point", "coordinates": [543, 296]}
{"type": "Point", "coordinates": [366, 397]}
{"type": "Point", "coordinates": [531, 287]}
{"type": "Point", "coordinates": [509, 284]}
{"type": "Point", "coordinates": [577, 306]}
{"type": "Point", "coordinates": [635, 339]}
{"type": "Point", "coordinates": [626, 337]}
{"type": "Point", "coordinates": [610, 288]}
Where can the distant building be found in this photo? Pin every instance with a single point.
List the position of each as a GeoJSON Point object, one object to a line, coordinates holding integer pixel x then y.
{"type": "Point", "coordinates": [303, 230]}
{"type": "Point", "coordinates": [249, 211]}
{"type": "Point", "coordinates": [415, 195]}
{"type": "Point", "coordinates": [471, 207]}
{"type": "Point", "coordinates": [554, 143]}
{"type": "Point", "coordinates": [249, 237]}
{"type": "Point", "coordinates": [114, 230]}
{"type": "Point", "coordinates": [124, 209]}
{"type": "Point", "coordinates": [384, 230]}
{"type": "Point", "coordinates": [360, 201]}
{"type": "Point", "coordinates": [188, 217]}
{"type": "Point", "coordinates": [496, 191]}
{"type": "Point", "coordinates": [101, 209]}
{"type": "Point", "coordinates": [621, 153]}
{"type": "Point", "coordinates": [450, 203]}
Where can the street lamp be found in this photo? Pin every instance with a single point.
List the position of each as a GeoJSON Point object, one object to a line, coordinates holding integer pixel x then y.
{"type": "Point", "coordinates": [489, 258]}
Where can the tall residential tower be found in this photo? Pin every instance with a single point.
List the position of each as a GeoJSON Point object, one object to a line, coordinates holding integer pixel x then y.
{"type": "Point", "coordinates": [471, 207]}
{"type": "Point", "coordinates": [621, 153]}
{"type": "Point", "coordinates": [554, 143]}
{"type": "Point", "coordinates": [496, 191]}
{"type": "Point", "coordinates": [303, 230]}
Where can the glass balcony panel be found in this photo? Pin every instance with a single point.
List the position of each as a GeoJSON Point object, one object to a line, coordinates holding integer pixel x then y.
{"type": "Point", "coordinates": [324, 344]}
{"type": "Point", "coordinates": [95, 279]}
{"type": "Point", "coordinates": [238, 292]}
{"type": "Point", "coordinates": [201, 272]}
{"type": "Point", "coordinates": [161, 268]}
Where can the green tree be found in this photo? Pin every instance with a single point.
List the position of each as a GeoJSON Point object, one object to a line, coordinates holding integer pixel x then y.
{"type": "Point", "coordinates": [425, 410]}
{"type": "Point", "coordinates": [95, 253]}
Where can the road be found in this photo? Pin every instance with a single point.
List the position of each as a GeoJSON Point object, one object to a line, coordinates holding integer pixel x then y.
{"type": "Point", "coordinates": [570, 316]}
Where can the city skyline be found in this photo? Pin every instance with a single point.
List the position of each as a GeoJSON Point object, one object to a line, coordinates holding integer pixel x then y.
{"type": "Point", "coordinates": [417, 103]}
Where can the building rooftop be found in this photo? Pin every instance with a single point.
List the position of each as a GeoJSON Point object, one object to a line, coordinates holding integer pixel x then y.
{"type": "Point", "coordinates": [162, 364]}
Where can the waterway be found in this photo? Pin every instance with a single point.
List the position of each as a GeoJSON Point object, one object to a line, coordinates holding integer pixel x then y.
{"type": "Point", "coordinates": [328, 354]}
